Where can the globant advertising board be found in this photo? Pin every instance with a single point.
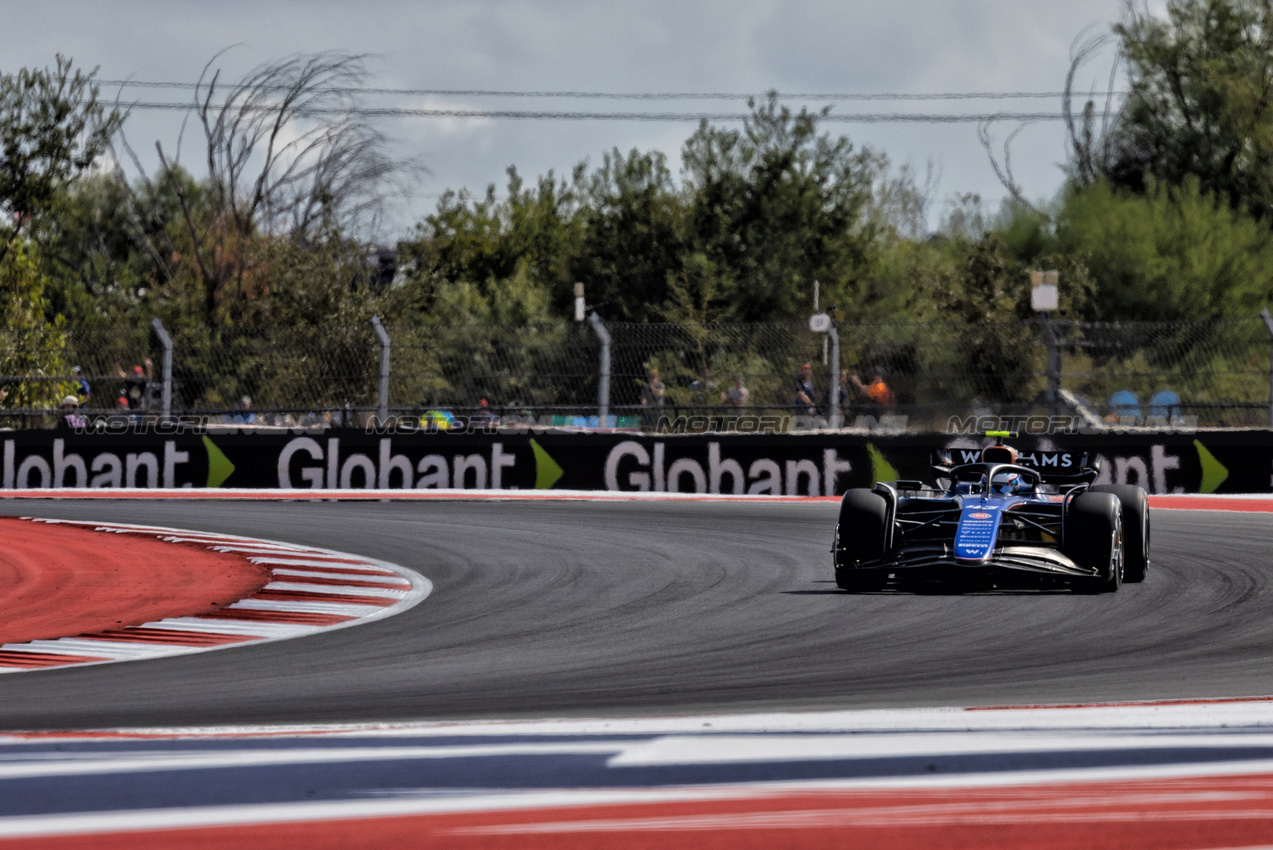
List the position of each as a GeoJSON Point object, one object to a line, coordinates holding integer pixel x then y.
{"type": "Point", "coordinates": [815, 464]}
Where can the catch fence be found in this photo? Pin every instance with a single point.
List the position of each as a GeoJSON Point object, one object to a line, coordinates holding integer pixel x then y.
{"type": "Point", "coordinates": [1209, 373]}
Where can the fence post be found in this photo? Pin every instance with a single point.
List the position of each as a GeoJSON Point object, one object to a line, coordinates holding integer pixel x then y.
{"type": "Point", "coordinates": [166, 342]}
{"type": "Point", "coordinates": [1268, 323]}
{"type": "Point", "coordinates": [1053, 393]}
{"type": "Point", "coordinates": [603, 391]}
{"type": "Point", "coordinates": [833, 393]}
{"type": "Point", "coordinates": [382, 408]}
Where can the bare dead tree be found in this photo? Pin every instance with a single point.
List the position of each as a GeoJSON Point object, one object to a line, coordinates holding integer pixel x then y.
{"type": "Point", "coordinates": [286, 154]}
{"type": "Point", "coordinates": [902, 201]}
{"type": "Point", "coordinates": [1003, 170]}
{"type": "Point", "coordinates": [1090, 149]}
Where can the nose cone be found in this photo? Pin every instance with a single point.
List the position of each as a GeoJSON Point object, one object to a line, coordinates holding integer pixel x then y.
{"type": "Point", "coordinates": [977, 533]}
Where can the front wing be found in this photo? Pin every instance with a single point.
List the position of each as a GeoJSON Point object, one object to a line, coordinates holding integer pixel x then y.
{"type": "Point", "coordinates": [938, 559]}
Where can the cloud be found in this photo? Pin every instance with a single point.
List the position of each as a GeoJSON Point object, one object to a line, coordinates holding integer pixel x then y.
{"type": "Point", "coordinates": [645, 45]}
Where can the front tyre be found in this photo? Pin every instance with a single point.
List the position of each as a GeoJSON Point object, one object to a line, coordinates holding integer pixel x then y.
{"type": "Point", "coordinates": [860, 535]}
{"type": "Point", "coordinates": [1135, 505]}
{"type": "Point", "coordinates": [1093, 538]}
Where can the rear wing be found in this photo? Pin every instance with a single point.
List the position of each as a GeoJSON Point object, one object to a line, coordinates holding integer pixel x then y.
{"type": "Point", "coordinates": [1060, 467]}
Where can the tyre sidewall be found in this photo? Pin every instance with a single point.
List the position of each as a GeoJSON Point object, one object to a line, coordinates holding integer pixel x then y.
{"type": "Point", "coordinates": [1093, 538]}
{"type": "Point", "coordinates": [861, 535]}
{"type": "Point", "coordinates": [1136, 529]}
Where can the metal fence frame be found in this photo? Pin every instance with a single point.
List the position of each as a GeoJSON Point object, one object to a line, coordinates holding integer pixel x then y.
{"type": "Point", "coordinates": [589, 374]}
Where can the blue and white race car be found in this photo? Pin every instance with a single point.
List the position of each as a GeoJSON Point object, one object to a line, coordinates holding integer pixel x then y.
{"type": "Point", "coordinates": [995, 522]}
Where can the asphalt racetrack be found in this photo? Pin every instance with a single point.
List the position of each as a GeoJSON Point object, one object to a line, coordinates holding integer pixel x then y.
{"type": "Point", "coordinates": [560, 609]}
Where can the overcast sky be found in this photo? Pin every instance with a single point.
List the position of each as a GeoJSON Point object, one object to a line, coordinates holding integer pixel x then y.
{"type": "Point", "coordinates": [909, 46]}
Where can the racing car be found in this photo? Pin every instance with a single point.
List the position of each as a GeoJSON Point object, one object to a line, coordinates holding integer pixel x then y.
{"type": "Point", "coordinates": [998, 520]}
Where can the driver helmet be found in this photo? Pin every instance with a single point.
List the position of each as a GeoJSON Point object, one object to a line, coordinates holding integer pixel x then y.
{"type": "Point", "coordinates": [1006, 482]}
{"type": "Point", "coordinates": [998, 454]}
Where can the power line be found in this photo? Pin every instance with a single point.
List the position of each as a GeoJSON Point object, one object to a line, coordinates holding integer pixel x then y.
{"type": "Point", "coordinates": [545, 115]}
{"type": "Point", "coordinates": [597, 95]}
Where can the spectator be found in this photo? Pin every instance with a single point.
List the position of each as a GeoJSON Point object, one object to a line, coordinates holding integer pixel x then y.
{"type": "Point", "coordinates": [135, 383]}
{"type": "Point", "coordinates": [652, 394]}
{"type": "Point", "coordinates": [320, 417]}
{"type": "Point", "coordinates": [805, 394]}
{"type": "Point", "coordinates": [876, 390]}
{"type": "Point", "coordinates": [69, 418]}
{"type": "Point", "coordinates": [700, 388]}
{"type": "Point", "coordinates": [342, 416]}
{"type": "Point", "coordinates": [737, 395]}
{"type": "Point", "coordinates": [281, 420]}
{"type": "Point", "coordinates": [82, 389]}
{"type": "Point", "coordinates": [807, 413]}
{"type": "Point", "coordinates": [243, 415]}
{"type": "Point", "coordinates": [484, 415]}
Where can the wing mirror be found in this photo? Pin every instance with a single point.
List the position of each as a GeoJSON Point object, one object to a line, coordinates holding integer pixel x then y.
{"type": "Point", "coordinates": [1093, 462]}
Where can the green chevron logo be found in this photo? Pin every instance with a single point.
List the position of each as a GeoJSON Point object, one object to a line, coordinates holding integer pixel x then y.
{"type": "Point", "coordinates": [1213, 471]}
{"type": "Point", "coordinates": [881, 469]}
{"type": "Point", "coordinates": [219, 466]}
{"type": "Point", "coordinates": [547, 470]}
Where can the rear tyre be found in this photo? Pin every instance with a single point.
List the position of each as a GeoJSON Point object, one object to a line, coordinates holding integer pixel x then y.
{"type": "Point", "coordinates": [860, 535]}
{"type": "Point", "coordinates": [1135, 505]}
{"type": "Point", "coordinates": [1092, 537]}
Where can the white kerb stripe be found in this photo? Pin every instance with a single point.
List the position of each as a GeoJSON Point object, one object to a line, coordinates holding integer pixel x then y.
{"type": "Point", "coordinates": [346, 609]}
{"type": "Point", "coordinates": [356, 577]}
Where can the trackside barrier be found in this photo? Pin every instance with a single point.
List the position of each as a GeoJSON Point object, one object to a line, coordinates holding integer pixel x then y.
{"type": "Point", "coordinates": [1234, 503]}
{"type": "Point", "coordinates": [766, 465]}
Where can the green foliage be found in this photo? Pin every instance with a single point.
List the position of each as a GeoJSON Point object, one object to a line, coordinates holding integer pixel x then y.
{"type": "Point", "coordinates": [513, 300]}
{"type": "Point", "coordinates": [900, 282]}
{"type": "Point", "coordinates": [633, 249]}
{"type": "Point", "coordinates": [761, 213]}
{"type": "Point", "coordinates": [52, 129]}
{"type": "Point", "coordinates": [308, 283]}
{"type": "Point", "coordinates": [777, 206]}
{"type": "Point", "coordinates": [986, 290]}
{"type": "Point", "coordinates": [491, 340]}
{"type": "Point", "coordinates": [99, 269]}
{"type": "Point", "coordinates": [1175, 253]}
{"type": "Point", "coordinates": [900, 205]}
{"type": "Point", "coordinates": [1200, 103]}
{"type": "Point", "coordinates": [757, 215]}
{"type": "Point", "coordinates": [480, 241]}
{"type": "Point", "coordinates": [30, 346]}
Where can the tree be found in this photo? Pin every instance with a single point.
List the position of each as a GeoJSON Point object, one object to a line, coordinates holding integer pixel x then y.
{"type": "Point", "coordinates": [1201, 100]}
{"type": "Point", "coordinates": [52, 129]}
{"type": "Point", "coordinates": [775, 206]}
{"type": "Point", "coordinates": [287, 153]}
{"type": "Point", "coordinates": [531, 237]}
{"type": "Point", "coordinates": [1172, 254]}
{"type": "Point", "coordinates": [30, 345]}
{"type": "Point", "coordinates": [900, 205]}
{"type": "Point", "coordinates": [983, 297]}
{"type": "Point", "coordinates": [99, 266]}
{"type": "Point", "coordinates": [632, 249]}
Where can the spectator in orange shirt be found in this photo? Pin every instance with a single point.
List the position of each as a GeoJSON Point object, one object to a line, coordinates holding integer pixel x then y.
{"type": "Point", "coordinates": [877, 392]}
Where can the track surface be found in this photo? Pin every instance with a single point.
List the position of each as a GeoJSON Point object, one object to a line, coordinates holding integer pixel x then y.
{"type": "Point", "coordinates": [564, 609]}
